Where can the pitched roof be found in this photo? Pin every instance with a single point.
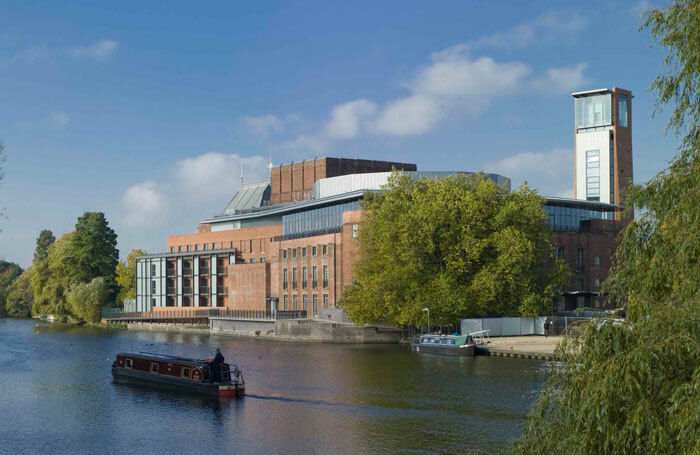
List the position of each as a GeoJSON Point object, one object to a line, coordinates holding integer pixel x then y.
{"type": "Point", "coordinates": [249, 195]}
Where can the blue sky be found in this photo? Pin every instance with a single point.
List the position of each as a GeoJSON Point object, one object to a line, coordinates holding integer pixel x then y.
{"type": "Point", "coordinates": [144, 110]}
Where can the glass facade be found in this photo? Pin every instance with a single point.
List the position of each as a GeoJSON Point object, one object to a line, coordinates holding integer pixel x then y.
{"type": "Point", "coordinates": [316, 221]}
{"type": "Point", "coordinates": [622, 110]}
{"type": "Point", "coordinates": [593, 175]}
{"type": "Point", "coordinates": [568, 217]}
{"type": "Point", "coordinates": [593, 111]}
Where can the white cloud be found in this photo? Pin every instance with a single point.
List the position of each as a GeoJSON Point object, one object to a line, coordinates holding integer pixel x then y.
{"type": "Point", "coordinates": [546, 28]}
{"type": "Point", "coordinates": [409, 116]}
{"type": "Point", "coordinates": [346, 119]}
{"type": "Point", "coordinates": [144, 205]}
{"type": "Point", "coordinates": [214, 175]}
{"type": "Point", "coordinates": [266, 125]}
{"type": "Point", "coordinates": [99, 50]}
{"type": "Point", "coordinates": [550, 172]}
{"type": "Point", "coordinates": [562, 80]}
{"type": "Point", "coordinates": [57, 120]}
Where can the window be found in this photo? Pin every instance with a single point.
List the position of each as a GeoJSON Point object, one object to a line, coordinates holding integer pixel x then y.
{"type": "Point", "coordinates": [262, 260]}
{"type": "Point", "coordinates": [189, 247]}
{"type": "Point", "coordinates": [294, 278]}
{"type": "Point", "coordinates": [314, 277]}
{"type": "Point", "coordinates": [262, 245]}
{"type": "Point", "coordinates": [596, 260]}
{"type": "Point", "coordinates": [252, 260]}
{"type": "Point", "coordinates": [303, 278]}
{"type": "Point", "coordinates": [325, 301]}
{"type": "Point", "coordinates": [596, 282]}
{"type": "Point", "coordinates": [294, 253]}
{"type": "Point", "coordinates": [622, 110]}
{"type": "Point", "coordinates": [153, 286]}
{"type": "Point", "coordinates": [579, 259]}
{"type": "Point", "coordinates": [325, 250]}
{"type": "Point", "coordinates": [593, 111]}
{"type": "Point", "coordinates": [313, 251]}
{"type": "Point", "coordinates": [315, 300]}
{"type": "Point", "coordinates": [325, 276]}
{"type": "Point", "coordinates": [560, 252]}
{"type": "Point", "coordinates": [593, 175]}
{"type": "Point", "coordinates": [250, 246]}
{"type": "Point", "coordinates": [129, 363]}
{"type": "Point", "coordinates": [286, 302]}
{"type": "Point", "coordinates": [154, 367]}
{"type": "Point", "coordinates": [355, 229]}
{"type": "Point", "coordinates": [172, 249]}
{"type": "Point", "coordinates": [284, 254]}
{"type": "Point", "coordinates": [153, 302]}
{"type": "Point", "coordinates": [303, 252]}
{"type": "Point", "coordinates": [295, 301]}
{"type": "Point", "coordinates": [579, 284]}
{"type": "Point", "coordinates": [285, 279]}
{"type": "Point", "coordinates": [305, 302]}
{"type": "Point", "coordinates": [179, 249]}
{"type": "Point", "coordinates": [213, 245]}
{"type": "Point", "coordinates": [153, 270]}
{"type": "Point", "coordinates": [196, 247]}
{"type": "Point", "coordinates": [206, 246]}
{"type": "Point", "coordinates": [185, 372]}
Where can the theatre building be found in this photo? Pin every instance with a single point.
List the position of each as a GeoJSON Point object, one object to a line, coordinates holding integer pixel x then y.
{"type": "Point", "coordinates": [290, 241]}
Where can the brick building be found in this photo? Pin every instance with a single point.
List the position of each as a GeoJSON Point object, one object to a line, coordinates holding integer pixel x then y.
{"type": "Point", "coordinates": [291, 238]}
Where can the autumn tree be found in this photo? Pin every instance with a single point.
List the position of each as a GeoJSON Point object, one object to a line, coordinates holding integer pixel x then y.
{"type": "Point", "coordinates": [20, 297]}
{"type": "Point", "coordinates": [461, 246]}
{"type": "Point", "coordinates": [126, 276]}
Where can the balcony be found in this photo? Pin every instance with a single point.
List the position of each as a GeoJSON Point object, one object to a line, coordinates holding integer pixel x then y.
{"type": "Point", "coordinates": [187, 290]}
{"type": "Point", "coordinates": [171, 271]}
{"type": "Point", "coordinates": [221, 290]}
{"type": "Point", "coordinates": [204, 270]}
{"type": "Point", "coordinates": [204, 289]}
{"type": "Point", "coordinates": [187, 270]}
{"type": "Point", "coordinates": [221, 270]}
{"type": "Point", "coordinates": [171, 290]}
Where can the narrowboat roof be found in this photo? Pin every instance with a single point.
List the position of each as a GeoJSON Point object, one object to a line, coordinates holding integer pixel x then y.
{"type": "Point", "coordinates": [164, 358]}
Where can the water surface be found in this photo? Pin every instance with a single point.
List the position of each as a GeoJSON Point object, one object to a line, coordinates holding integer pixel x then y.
{"type": "Point", "coordinates": [57, 396]}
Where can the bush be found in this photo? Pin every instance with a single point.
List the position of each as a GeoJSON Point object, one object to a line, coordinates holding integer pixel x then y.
{"type": "Point", "coordinates": [85, 301]}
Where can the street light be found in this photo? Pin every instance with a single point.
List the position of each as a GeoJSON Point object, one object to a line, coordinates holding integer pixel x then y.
{"type": "Point", "coordinates": [427, 310]}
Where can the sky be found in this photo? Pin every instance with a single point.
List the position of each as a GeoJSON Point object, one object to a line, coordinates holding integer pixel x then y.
{"type": "Point", "coordinates": [147, 111]}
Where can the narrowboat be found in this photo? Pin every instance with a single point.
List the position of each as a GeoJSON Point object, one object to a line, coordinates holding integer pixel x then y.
{"type": "Point", "coordinates": [462, 345]}
{"type": "Point", "coordinates": [181, 373]}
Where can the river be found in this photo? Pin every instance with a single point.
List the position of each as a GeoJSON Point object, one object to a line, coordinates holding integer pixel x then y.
{"type": "Point", "coordinates": [57, 397]}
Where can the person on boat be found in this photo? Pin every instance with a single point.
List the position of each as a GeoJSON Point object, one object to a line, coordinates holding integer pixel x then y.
{"type": "Point", "coordinates": [215, 367]}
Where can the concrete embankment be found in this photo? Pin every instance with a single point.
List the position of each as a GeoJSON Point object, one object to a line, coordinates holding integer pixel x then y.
{"type": "Point", "coordinates": [527, 347]}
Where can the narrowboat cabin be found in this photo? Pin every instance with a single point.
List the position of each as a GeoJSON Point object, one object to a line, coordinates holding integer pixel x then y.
{"type": "Point", "coordinates": [462, 345]}
{"type": "Point", "coordinates": [181, 373]}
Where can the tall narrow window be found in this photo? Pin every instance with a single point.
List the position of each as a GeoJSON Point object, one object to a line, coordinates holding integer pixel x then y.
{"type": "Point", "coordinates": [286, 302]}
{"type": "Point", "coordinates": [314, 277]}
{"type": "Point", "coordinates": [303, 278]}
{"type": "Point", "coordinates": [153, 270]}
{"type": "Point", "coordinates": [325, 301]}
{"type": "Point", "coordinates": [285, 279]}
{"type": "Point", "coordinates": [579, 259]}
{"type": "Point", "coordinates": [295, 302]}
{"type": "Point", "coordinates": [593, 175]}
{"type": "Point", "coordinates": [325, 276]}
{"type": "Point", "coordinates": [560, 252]}
{"type": "Point", "coordinates": [305, 302]}
{"type": "Point", "coordinates": [294, 278]}
{"type": "Point", "coordinates": [251, 246]}
{"type": "Point", "coordinates": [315, 300]}
{"type": "Point", "coordinates": [622, 110]}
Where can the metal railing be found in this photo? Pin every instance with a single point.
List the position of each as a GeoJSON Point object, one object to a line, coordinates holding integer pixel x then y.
{"type": "Point", "coordinates": [187, 290]}
{"type": "Point", "coordinates": [204, 289]}
{"type": "Point", "coordinates": [171, 271]}
{"type": "Point", "coordinates": [199, 313]}
{"type": "Point", "coordinates": [187, 270]}
{"type": "Point", "coordinates": [203, 270]}
{"type": "Point", "coordinates": [171, 289]}
{"type": "Point", "coordinates": [299, 235]}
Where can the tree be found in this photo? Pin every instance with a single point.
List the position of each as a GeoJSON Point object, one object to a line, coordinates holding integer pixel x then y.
{"type": "Point", "coordinates": [634, 387]}
{"type": "Point", "coordinates": [20, 297]}
{"type": "Point", "coordinates": [85, 300]}
{"type": "Point", "coordinates": [94, 251]}
{"type": "Point", "coordinates": [43, 242]}
{"type": "Point", "coordinates": [9, 271]}
{"type": "Point", "coordinates": [126, 276]}
{"type": "Point", "coordinates": [52, 277]}
{"type": "Point", "coordinates": [461, 246]}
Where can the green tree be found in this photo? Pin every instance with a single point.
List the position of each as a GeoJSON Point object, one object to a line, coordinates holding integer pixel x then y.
{"type": "Point", "coordinates": [43, 242]}
{"type": "Point", "coordinates": [461, 246]}
{"type": "Point", "coordinates": [94, 251]}
{"type": "Point", "coordinates": [634, 387]}
{"type": "Point", "coordinates": [20, 297]}
{"type": "Point", "coordinates": [85, 300]}
{"type": "Point", "coordinates": [9, 271]}
{"type": "Point", "coordinates": [126, 276]}
{"type": "Point", "coordinates": [52, 277]}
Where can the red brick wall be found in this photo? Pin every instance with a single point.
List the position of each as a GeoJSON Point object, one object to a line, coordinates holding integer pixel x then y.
{"type": "Point", "coordinates": [248, 286]}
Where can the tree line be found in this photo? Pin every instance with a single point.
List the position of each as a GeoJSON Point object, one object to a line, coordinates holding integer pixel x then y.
{"type": "Point", "coordinates": [72, 277]}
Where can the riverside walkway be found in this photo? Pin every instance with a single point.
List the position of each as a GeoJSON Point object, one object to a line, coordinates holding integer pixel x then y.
{"type": "Point", "coordinates": [528, 347]}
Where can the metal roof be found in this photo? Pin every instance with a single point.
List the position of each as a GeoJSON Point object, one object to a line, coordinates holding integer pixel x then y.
{"type": "Point", "coordinates": [599, 91]}
{"type": "Point", "coordinates": [582, 203]}
{"type": "Point", "coordinates": [249, 195]}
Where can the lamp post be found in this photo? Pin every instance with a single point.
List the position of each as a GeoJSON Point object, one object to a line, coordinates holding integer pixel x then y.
{"type": "Point", "coordinates": [427, 310]}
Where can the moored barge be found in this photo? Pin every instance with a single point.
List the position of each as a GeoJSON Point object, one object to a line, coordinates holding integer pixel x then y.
{"type": "Point", "coordinates": [462, 345]}
{"type": "Point", "coordinates": [181, 373]}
